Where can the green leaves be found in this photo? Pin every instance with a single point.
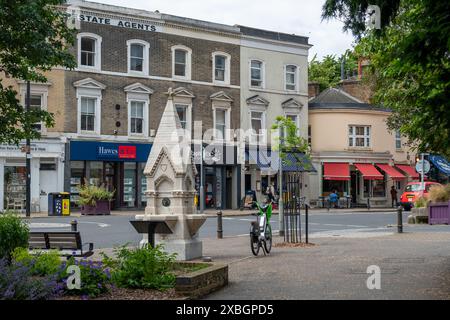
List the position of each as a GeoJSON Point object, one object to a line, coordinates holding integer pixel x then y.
{"type": "Point", "coordinates": [13, 234]}
{"type": "Point", "coordinates": [34, 37]}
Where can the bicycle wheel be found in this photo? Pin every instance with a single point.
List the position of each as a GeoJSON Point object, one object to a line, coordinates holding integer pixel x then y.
{"type": "Point", "coordinates": [254, 241]}
{"type": "Point", "coordinates": [268, 240]}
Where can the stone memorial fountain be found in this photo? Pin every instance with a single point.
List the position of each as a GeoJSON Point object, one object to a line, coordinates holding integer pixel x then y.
{"type": "Point", "coordinates": [170, 174]}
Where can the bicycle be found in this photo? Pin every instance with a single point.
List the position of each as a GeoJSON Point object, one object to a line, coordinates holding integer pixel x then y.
{"type": "Point", "coordinates": [261, 230]}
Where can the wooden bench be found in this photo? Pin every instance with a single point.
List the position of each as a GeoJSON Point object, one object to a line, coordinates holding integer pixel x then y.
{"type": "Point", "coordinates": [60, 241]}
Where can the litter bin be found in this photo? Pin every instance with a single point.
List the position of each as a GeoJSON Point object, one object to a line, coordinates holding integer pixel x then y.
{"type": "Point", "coordinates": [59, 204]}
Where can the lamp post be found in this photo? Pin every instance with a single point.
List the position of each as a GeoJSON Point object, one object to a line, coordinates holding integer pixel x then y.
{"type": "Point", "coordinates": [280, 187]}
{"type": "Point", "coordinates": [202, 193]}
{"type": "Point", "coordinates": [28, 157]}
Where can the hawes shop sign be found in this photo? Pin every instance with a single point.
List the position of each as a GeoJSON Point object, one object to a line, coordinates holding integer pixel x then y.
{"type": "Point", "coordinates": [119, 23]}
{"type": "Point", "coordinates": [113, 152]}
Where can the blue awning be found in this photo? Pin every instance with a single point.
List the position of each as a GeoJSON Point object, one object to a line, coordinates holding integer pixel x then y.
{"type": "Point", "coordinates": [269, 161]}
{"type": "Point", "coordinates": [441, 163]}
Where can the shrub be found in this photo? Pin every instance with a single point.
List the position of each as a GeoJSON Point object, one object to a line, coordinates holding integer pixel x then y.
{"type": "Point", "coordinates": [16, 283]}
{"type": "Point", "coordinates": [95, 279]}
{"type": "Point", "coordinates": [43, 264]}
{"type": "Point", "coordinates": [420, 202]}
{"type": "Point", "coordinates": [13, 234]}
{"type": "Point", "coordinates": [439, 193]}
{"type": "Point", "coordinates": [90, 194]}
{"type": "Point", "coordinates": [146, 268]}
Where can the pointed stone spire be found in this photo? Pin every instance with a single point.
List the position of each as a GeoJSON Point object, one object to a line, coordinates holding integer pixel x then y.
{"type": "Point", "coordinates": [170, 138]}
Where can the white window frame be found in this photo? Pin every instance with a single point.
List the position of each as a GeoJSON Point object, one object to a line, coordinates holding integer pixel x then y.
{"type": "Point", "coordinates": [95, 94]}
{"type": "Point", "coordinates": [225, 106]}
{"type": "Point", "coordinates": [366, 135]}
{"type": "Point", "coordinates": [226, 80]}
{"type": "Point", "coordinates": [37, 90]}
{"type": "Point", "coordinates": [188, 62]}
{"type": "Point", "coordinates": [255, 137]}
{"type": "Point", "coordinates": [98, 50]}
{"type": "Point", "coordinates": [296, 77]}
{"type": "Point", "coordinates": [139, 97]}
{"type": "Point", "coordinates": [263, 73]}
{"type": "Point", "coordinates": [145, 56]}
{"type": "Point", "coordinates": [398, 139]}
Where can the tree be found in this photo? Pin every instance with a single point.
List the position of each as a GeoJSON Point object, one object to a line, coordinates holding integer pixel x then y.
{"type": "Point", "coordinates": [34, 37]}
{"type": "Point", "coordinates": [290, 142]}
{"type": "Point", "coordinates": [411, 68]}
{"type": "Point", "coordinates": [328, 71]}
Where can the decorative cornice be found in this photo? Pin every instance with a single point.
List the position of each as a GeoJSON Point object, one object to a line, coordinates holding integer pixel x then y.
{"type": "Point", "coordinates": [221, 96]}
{"type": "Point", "coordinates": [258, 100]}
{"type": "Point", "coordinates": [183, 92]}
{"type": "Point", "coordinates": [89, 83]}
{"type": "Point", "coordinates": [138, 88]}
{"type": "Point", "coordinates": [291, 103]}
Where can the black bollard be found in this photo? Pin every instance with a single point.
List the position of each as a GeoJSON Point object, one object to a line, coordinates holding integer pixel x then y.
{"type": "Point", "coordinates": [306, 222]}
{"type": "Point", "coordinates": [399, 219]}
{"type": "Point", "coordinates": [74, 225]}
{"type": "Point", "coordinates": [219, 225]}
{"type": "Point", "coordinates": [368, 203]}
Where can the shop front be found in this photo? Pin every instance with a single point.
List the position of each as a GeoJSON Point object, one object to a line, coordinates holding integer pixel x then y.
{"type": "Point", "coordinates": [47, 174]}
{"type": "Point", "coordinates": [358, 183]}
{"type": "Point", "coordinates": [119, 167]}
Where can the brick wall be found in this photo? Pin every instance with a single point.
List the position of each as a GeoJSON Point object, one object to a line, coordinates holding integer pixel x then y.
{"type": "Point", "coordinates": [114, 51]}
{"type": "Point", "coordinates": [357, 89]}
{"type": "Point", "coordinates": [115, 94]}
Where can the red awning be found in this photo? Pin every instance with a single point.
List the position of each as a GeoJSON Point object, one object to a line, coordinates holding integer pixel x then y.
{"type": "Point", "coordinates": [368, 171]}
{"type": "Point", "coordinates": [391, 171]}
{"type": "Point", "coordinates": [336, 171]}
{"type": "Point", "coordinates": [409, 170]}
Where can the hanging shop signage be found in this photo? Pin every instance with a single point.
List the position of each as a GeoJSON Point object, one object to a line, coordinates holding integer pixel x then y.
{"type": "Point", "coordinates": [109, 151]}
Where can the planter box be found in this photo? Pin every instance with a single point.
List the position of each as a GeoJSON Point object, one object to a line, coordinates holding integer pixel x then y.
{"type": "Point", "coordinates": [202, 282]}
{"type": "Point", "coordinates": [439, 213]}
{"type": "Point", "coordinates": [102, 207]}
{"type": "Point", "coordinates": [420, 215]}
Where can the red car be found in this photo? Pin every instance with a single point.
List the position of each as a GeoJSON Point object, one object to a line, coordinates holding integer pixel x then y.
{"type": "Point", "coordinates": [413, 191]}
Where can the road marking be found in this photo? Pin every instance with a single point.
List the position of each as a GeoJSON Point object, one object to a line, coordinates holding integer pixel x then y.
{"type": "Point", "coordinates": [101, 225]}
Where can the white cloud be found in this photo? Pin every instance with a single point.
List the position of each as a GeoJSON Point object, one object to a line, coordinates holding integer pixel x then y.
{"type": "Point", "coordinates": [301, 17]}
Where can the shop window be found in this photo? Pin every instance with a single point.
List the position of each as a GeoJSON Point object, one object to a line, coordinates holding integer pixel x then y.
{"type": "Point", "coordinates": [375, 188]}
{"type": "Point", "coordinates": [129, 184]}
{"type": "Point", "coordinates": [96, 173]}
{"type": "Point", "coordinates": [143, 185]}
{"type": "Point", "coordinates": [47, 166]}
{"type": "Point", "coordinates": [15, 188]}
{"type": "Point", "coordinates": [77, 174]}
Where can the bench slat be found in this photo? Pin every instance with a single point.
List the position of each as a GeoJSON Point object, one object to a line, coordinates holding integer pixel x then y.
{"type": "Point", "coordinates": [70, 241]}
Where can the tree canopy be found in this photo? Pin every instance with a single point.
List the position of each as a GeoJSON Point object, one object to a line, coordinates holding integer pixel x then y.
{"type": "Point", "coordinates": [410, 65]}
{"type": "Point", "coordinates": [328, 71]}
{"type": "Point", "coordinates": [34, 37]}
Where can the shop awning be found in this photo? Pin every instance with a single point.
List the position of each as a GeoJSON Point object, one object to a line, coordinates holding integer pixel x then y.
{"type": "Point", "coordinates": [441, 163]}
{"type": "Point", "coordinates": [369, 171]}
{"type": "Point", "coordinates": [409, 170]}
{"type": "Point", "coordinates": [336, 171]}
{"type": "Point", "coordinates": [268, 161]}
{"type": "Point", "coordinates": [391, 171]}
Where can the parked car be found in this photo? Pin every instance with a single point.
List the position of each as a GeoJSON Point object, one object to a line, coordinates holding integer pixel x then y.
{"type": "Point", "coordinates": [413, 191]}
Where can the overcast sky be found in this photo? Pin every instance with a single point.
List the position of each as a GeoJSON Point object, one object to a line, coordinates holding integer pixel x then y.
{"type": "Point", "coordinates": [301, 17]}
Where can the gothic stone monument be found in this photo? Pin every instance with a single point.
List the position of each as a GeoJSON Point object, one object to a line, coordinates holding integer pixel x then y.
{"type": "Point", "coordinates": [170, 191]}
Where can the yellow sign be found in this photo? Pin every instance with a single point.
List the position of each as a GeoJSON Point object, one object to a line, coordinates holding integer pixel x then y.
{"type": "Point", "coordinates": [66, 207]}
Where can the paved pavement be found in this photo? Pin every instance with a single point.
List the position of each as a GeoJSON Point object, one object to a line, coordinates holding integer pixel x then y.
{"type": "Point", "coordinates": [114, 230]}
{"type": "Point", "coordinates": [414, 265]}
